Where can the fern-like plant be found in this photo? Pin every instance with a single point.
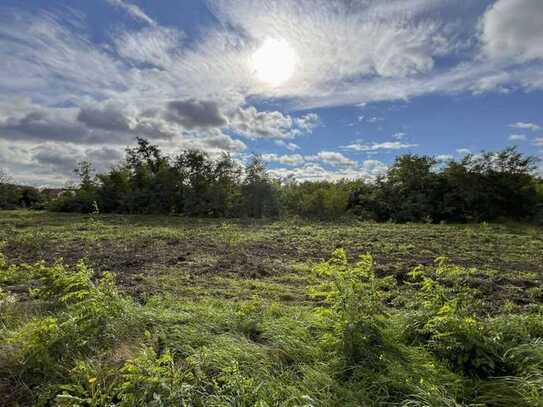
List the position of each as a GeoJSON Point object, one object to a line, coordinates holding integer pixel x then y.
{"type": "Point", "coordinates": [352, 297]}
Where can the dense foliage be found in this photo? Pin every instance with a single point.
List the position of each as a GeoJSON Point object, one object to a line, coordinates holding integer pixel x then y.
{"type": "Point", "coordinates": [191, 183]}
{"type": "Point", "coordinates": [14, 196]}
{"type": "Point", "coordinates": [485, 187]}
{"type": "Point", "coordinates": [489, 186]}
{"type": "Point", "coordinates": [68, 339]}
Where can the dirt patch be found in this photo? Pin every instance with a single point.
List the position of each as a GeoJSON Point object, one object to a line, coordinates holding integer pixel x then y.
{"type": "Point", "coordinates": [122, 257]}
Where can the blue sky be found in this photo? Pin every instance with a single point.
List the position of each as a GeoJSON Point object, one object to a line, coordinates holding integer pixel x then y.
{"type": "Point", "coordinates": [321, 89]}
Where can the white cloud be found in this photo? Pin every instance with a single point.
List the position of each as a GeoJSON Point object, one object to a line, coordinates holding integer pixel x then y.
{"type": "Point", "coordinates": [352, 53]}
{"type": "Point", "coordinates": [341, 39]}
{"type": "Point", "coordinates": [387, 145]}
{"type": "Point", "coordinates": [53, 61]}
{"type": "Point", "coordinates": [463, 151]}
{"type": "Point", "coordinates": [368, 170]}
{"type": "Point", "coordinates": [308, 122]}
{"type": "Point", "coordinates": [52, 163]}
{"type": "Point", "coordinates": [333, 158]}
{"type": "Point", "coordinates": [216, 141]}
{"type": "Point", "coordinates": [526, 126]}
{"type": "Point", "coordinates": [444, 157]}
{"type": "Point", "coordinates": [370, 119]}
{"type": "Point", "coordinates": [288, 145]}
{"type": "Point", "coordinates": [155, 45]}
{"type": "Point", "coordinates": [288, 159]}
{"type": "Point", "coordinates": [133, 10]}
{"type": "Point", "coordinates": [512, 29]}
{"type": "Point", "coordinates": [517, 137]}
{"type": "Point", "coordinates": [499, 82]}
{"type": "Point", "coordinates": [254, 124]}
{"type": "Point", "coordinates": [50, 141]}
{"type": "Point", "coordinates": [272, 125]}
{"type": "Point", "coordinates": [538, 142]}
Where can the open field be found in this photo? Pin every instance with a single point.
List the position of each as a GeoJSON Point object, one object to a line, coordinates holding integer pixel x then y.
{"type": "Point", "coordinates": [210, 312]}
{"type": "Point", "coordinates": [195, 258]}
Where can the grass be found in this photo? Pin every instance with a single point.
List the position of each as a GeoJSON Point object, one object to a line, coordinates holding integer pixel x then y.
{"type": "Point", "coordinates": [248, 313]}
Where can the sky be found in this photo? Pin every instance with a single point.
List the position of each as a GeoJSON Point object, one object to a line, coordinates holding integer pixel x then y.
{"type": "Point", "coordinates": [321, 89]}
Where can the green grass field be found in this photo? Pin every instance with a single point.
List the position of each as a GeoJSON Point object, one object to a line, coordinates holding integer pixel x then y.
{"type": "Point", "coordinates": [227, 313]}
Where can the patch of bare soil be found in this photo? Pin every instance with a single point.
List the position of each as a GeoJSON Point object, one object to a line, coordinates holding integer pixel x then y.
{"type": "Point", "coordinates": [131, 258]}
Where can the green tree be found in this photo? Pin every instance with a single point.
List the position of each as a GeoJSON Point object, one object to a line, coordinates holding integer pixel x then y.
{"type": "Point", "coordinates": [407, 193]}
{"type": "Point", "coordinates": [225, 190]}
{"type": "Point", "coordinates": [114, 190]}
{"type": "Point", "coordinates": [195, 170]}
{"type": "Point", "coordinates": [260, 193]}
{"type": "Point", "coordinates": [152, 181]}
{"type": "Point", "coordinates": [9, 193]}
{"type": "Point", "coordinates": [489, 186]}
{"type": "Point", "coordinates": [322, 199]}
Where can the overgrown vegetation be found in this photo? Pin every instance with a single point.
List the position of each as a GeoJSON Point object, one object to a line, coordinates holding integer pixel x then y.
{"type": "Point", "coordinates": [486, 187]}
{"type": "Point", "coordinates": [231, 313]}
{"type": "Point", "coordinates": [14, 196]}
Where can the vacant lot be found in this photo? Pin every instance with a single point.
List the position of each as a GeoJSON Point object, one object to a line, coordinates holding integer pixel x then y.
{"type": "Point", "coordinates": [240, 259]}
{"type": "Point", "coordinates": [213, 312]}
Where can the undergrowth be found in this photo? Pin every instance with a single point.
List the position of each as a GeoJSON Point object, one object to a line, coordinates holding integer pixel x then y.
{"type": "Point", "coordinates": [70, 338]}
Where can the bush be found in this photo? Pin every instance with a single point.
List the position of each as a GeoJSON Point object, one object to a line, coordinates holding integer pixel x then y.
{"type": "Point", "coordinates": [319, 200]}
{"type": "Point", "coordinates": [77, 317]}
{"type": "Point", "coordinates": [71, 338]}
{"type": "Point", "coordinates": [486, 187]}
{"type": "Point", "coordinates": [355, 311]}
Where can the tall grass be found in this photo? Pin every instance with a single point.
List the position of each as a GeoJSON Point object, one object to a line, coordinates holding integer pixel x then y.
{"type": "Point", "coordinates": [69, 337]}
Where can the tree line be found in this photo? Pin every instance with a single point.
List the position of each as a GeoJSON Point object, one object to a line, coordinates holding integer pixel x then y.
{"type": "Point", "coordinates": [483, 187]}
{"type": "Point", "coordinates": [416, 188]}
{"type": "Point", "coordinates": [13, 196]}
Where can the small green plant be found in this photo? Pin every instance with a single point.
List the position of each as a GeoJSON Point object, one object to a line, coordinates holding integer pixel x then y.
{"type": "Point", "coordinates": [151, 379]}
{"type": "Point", "coordinates": [230, 234]}
{"type": "Point", "coordinates": [79, 316]}
{"type": "Point", "coordinates": [9, 273]}
{"type": "Point", "coordinates": [446, 321]}
{"type": "Point", "coordinates": [439, 337]}
{"type": "Point", "coordinates": [353, 297]}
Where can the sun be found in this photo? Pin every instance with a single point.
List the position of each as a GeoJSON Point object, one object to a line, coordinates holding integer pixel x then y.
{"type": "Point", "coordinates": [274, 62]}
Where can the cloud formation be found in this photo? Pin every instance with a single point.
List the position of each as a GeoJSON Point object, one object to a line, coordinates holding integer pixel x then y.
{"type": "Point", "coordinates": [387, 145]}
{"type": "Point", "coordinates": [272, 125]}
{"type": "Point", "coordinates": [525, 126]}
{"type": "Point", "coordinates": [313, 171]}
{"type": "Point", "coordinates": [193, 114]}
{"type": "Point", "coordinates": [59, 85]}
{"type": "Point", "coordinates": [132, 10]}
{"type": "Point", "coordinates": [334, 158]}
{"type": "Point", "coordinates": [352, 53]}
{"type": "Point", "coordinates": [517, 137]}
{"type": "Point", "coordinates": [512, 29]}
{"type": "Point", "coordinates": [105, 119]}
{"type": "Point", "coordinates": [287, 159]}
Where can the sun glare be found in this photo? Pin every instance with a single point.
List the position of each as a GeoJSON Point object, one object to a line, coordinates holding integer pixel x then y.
{"type": "Point", "coordinates": [274, 62]}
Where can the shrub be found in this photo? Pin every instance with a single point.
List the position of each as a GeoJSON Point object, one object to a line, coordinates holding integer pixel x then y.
{"type": "Point", "coordinates": [77, 317]}
{"type": "Point", "coordinates": [355, 311]}
{"type": "Point", "coordinates": [73, 339]}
